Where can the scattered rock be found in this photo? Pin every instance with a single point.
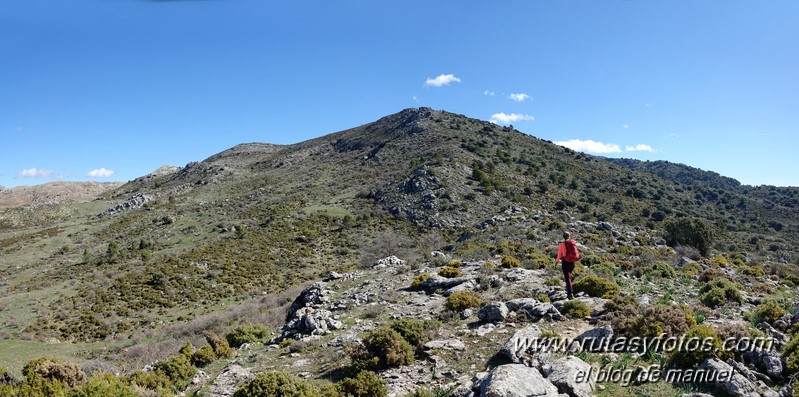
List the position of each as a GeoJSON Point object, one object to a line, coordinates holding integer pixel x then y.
{"type": "Point", "coordinates": [493, 312]}
{"type": "Point", "coordinates": [516, 380]}
{"type": "Point", "coordinates": [391, 261]}
{"type": "Point", "coordinates": [446, 344]}
{"type": "Point", "coordinates": [225, 384]}
{"type": "Point", "coordinates": [565, 374]}
{"type": "Point", "coordinates": [465, 314]}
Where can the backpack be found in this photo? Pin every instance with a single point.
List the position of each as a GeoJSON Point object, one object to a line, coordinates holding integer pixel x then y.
{"type": "Point", "coordinates": [572, 255]}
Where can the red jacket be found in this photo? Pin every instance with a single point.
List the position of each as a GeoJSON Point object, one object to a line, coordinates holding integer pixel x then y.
{"type": "Point", "coordinates": [562, 252]}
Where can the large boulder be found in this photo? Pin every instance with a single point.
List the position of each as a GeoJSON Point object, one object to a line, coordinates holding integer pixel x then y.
{"type": "Point", "coordinates": [768, 362]}
{"type": "Point", "coordinates": [516, 347]}
{"type": "Point", "coordinates": [310, 321]}
{"type": "Point", "coordinates": [517, 380]}
{"type": "Point", "coordinates": [596, 339]}
{"type": "Point", "coordinates": [493, 312]}
{"type": "Point", "coordinates": [438, 282]}
{"type": "Point", "coordinates": [570, 375]}
{"type": "Point", "coordinates": [737, 386]}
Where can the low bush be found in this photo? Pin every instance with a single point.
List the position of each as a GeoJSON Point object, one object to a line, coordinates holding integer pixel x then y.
{"type": "Point", "coordinates": [54, 369]}
{"type": "Point", "coordinates": [203, 356]}
{"type": "Point", "coordinates": [247, 333]}
{"type": "Point", "coordinates": [389, 347]}
{"type": "Point", "coordinates": [417, 281]}
{"type": "Point", "coordinates": [463, 300]}
{"type": "Point", "coordinates": [449, 272]}
{"type": "Point", "coordinates": [596, 286]}
{"type": "Point", "coordinates": [576, 308]}
{"type": "Point", "coordinates": [178, 369]}
{"type": "Point", "coordinates": [277, 384]}
{"type": "Point", "coordinates": [791, 354]}
{"type": "Point", "coordinates": [104, 385]}
{"type": "Point", "coordinates": [719, 291]}
{"type": "Point", "coordinates": [219, 345]}
{"type": "Point", "coordinates": [690, 357]}
{"type": "Point", "coordinates": [768, 311]}
{"type": "Point", "coordinates": [510, 262]}
{"type": "Point", "coordinates": [416, 332]}
{"type": "Point", "coordinates": [652, 320]}
{"type": "Point", "coordinates": [364, 384]}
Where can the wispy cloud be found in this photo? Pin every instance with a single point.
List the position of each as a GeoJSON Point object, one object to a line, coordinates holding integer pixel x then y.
{"type": "Point", "coordinates": [35, 173]}
{"type": "Point", "coordinates": [100, 173]}
{"type": "Point", "coordinates": [488, 93]}
{"type": "Point", "coordinates": [519, 97]}
{"type": "Point", "coordinates": [590, 146]}
{"type": "Point", "coordinates": [442, 80]}
{"type": "Point", "coordinates": [415, 99]}
{"type": "Point", "coordinates": [505, 119]}
{"type": "Point", "coordinates": [625, 126]}
{"type": "Point", "coordinates": [673, 135]}
{"type": "Point", "coordinates": [640, 148]}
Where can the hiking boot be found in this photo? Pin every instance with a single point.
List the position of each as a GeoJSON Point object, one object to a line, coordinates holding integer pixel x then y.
{"type": "Point", "coordinates": [570, 296]}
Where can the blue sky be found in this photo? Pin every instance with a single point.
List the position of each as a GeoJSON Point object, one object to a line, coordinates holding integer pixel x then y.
{"type": "Point", "coordinates": [112, 89]}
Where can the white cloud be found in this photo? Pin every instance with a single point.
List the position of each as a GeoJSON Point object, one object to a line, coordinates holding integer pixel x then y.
{"type": "Point", "coordinates": [34, 173]}
{"type": "Point", "coordinates": [415, 99]}
{"type": "Point", "coordinates": [673, 135]}
{"type": "Point", "coordinates": [625, 126]}
{"type": "Point", "coordinates": [519, 97]}
{"type": "Point", "coordinates": [640, 148]}
{"type": "Point", "coordinates": [441, 80]}
{"type": "Point", "coordinates": [590, 146]}
{"type": "Point", "coordinates": [505, 119]}
{"type": "Point", "coordinates": [488, 93]}
{"type": "Point", "coordinates": [100, 173]}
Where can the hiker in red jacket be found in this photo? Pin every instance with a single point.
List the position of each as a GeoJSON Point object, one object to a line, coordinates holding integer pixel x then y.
{"type": "Point", "coordinates": [568, 255]}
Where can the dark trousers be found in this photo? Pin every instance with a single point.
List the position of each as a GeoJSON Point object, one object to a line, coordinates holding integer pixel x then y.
{"type": "Point", "coordinates": [568, 268]}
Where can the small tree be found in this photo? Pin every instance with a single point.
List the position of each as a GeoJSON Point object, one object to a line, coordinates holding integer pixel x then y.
{"type": "Point", "coordinates": [692, 232]}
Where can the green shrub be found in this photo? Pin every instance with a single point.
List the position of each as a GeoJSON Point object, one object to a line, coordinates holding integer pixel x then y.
{"type": "Point", "coordinates": [691, 232]}
{"type": "Point", "coordinates": [688, 358]}
{"type": "Point", "coordinates": [155, 381]}
{"type": "Point", "coordinates": [509, 262]}
{"type": "Point", "coordinates": [455, 263]}
{"type": "Point", "coordinates": [277, 384]}
{"type": "Point", "coordinates": [463, 300]}
{"type": "Point", "coordinates": [576, 308]}
{"type": "Point", "coordinates": [248, 333]}
{"type": "Point", "coordinates": [219, 345]}
{"type": "Point", "coordinates": [104, 385]}
{"type": "Point", "coordinates": [719, 291]}
{"type": "Point", "coordinates": [177, 369]}
{"type": "Point", "coordinates": [365, 384]}
{"type": "Point", "coordinates": [553, 281]}
{"type": "Point", "coordinates": [652, 320]}
{"type": "Point", "coordinates": [414, 331]}
{"type": "Point", "coordinates": [768, 311]}
{"type": "Point", "coordinates": [449, 272]}
{"type": "Point", "coordinates": [389, 347]}
{"type": "Point", "coordinates": [36, 387]}
{"type": "Point", "coordinates": [692, 269]}
{"type": "Point", "coordinates": [203, 356]}
{"type": "Point", "coordinates": [791, 354]}
{"type": "Point", "coordinates": [542, 297]}
{"type": "Point", "coordinates": [596, 286]}
{"type": "Point", "coordinates": [417, 281]}
{"type": "Point", "coordinates": [54, 369]}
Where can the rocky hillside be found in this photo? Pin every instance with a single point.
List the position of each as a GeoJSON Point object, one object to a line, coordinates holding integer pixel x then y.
{"type": "Point", "coordinates": [124, 281]}
{"type": "Point", "coordinates": [52, 193]}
